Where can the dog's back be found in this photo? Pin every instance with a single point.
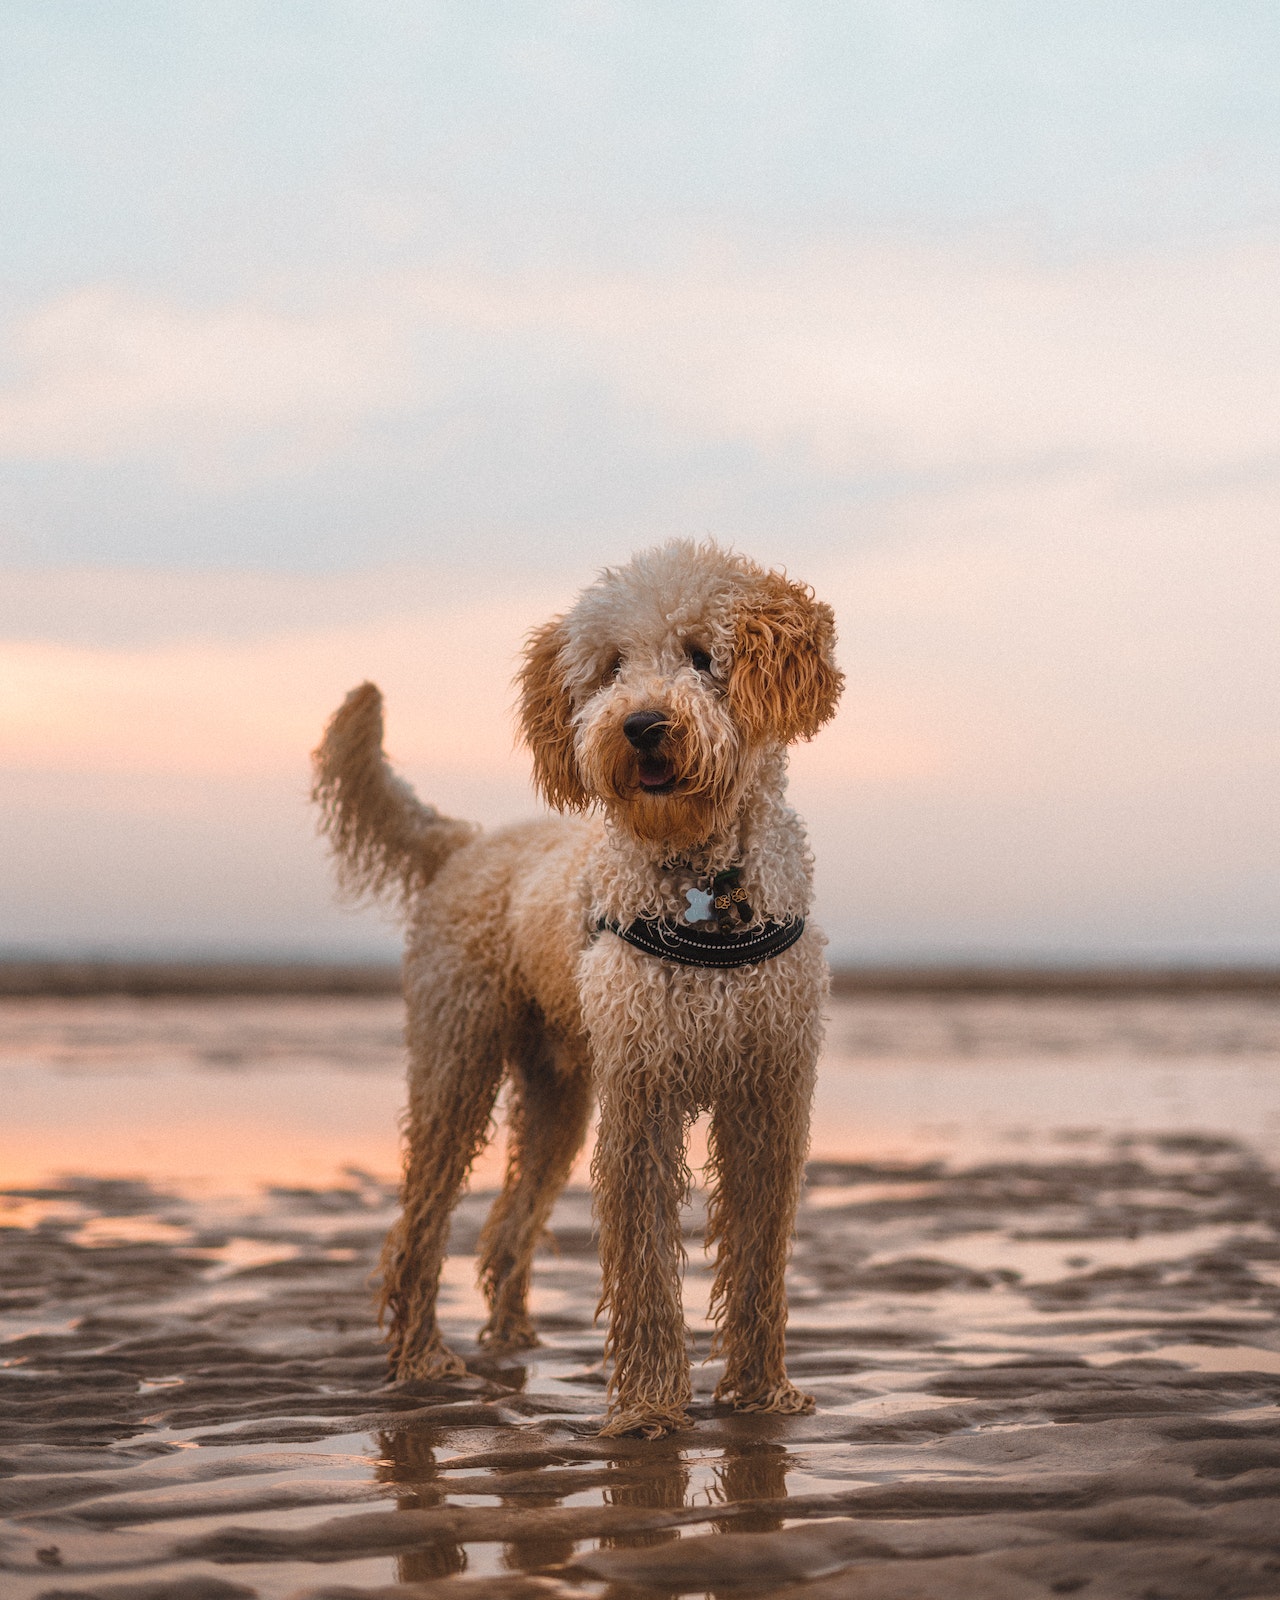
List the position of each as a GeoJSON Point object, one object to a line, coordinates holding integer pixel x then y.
{"type": "Point", "coordinates": [506, 918]}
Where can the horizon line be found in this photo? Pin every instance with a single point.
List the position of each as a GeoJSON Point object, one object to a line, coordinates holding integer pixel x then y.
{"type": "Point", "coordinates": [70, 977]}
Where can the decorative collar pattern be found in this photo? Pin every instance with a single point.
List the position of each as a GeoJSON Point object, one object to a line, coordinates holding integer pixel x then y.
{"type": "Point", "coordinates": [697, 947]}
{"type": "Point", "coordinates": [713, 932]}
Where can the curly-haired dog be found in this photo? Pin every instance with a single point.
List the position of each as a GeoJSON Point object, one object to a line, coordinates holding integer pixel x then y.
{"type": "Point", "coordinates": [650, 951]}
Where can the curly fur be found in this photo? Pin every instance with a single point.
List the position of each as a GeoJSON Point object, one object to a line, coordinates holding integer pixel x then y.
{"type": "Point", "coordinates": [506, 976]}
{"type": "Point", "coordinates": [384, 839]}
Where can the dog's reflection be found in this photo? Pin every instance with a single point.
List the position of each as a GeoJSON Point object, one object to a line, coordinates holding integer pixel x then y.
{"type": "Point", "coordinates": [754, 1471]}
{"type": "Point", "coordinates": [656, 1478]}
{"type": "Point", "coordinates": [408, 1461]}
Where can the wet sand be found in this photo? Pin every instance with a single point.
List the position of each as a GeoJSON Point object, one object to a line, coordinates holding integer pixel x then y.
{"type": "Point", "coordinates": [1034, 1290]}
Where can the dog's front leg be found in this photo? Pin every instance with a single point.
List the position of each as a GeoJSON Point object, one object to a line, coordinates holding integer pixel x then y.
{"type": "Point", "coordinates": [640, 1179]}
{"type": "Point", "coordinates": [757, 1149]}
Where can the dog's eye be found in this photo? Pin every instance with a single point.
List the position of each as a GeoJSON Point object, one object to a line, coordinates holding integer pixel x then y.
{"type": "Point", "coordinates": [614, 667]}
{"type": "Point", "coordinates": [700, 660]}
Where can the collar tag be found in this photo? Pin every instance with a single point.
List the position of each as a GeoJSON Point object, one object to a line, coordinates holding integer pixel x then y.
{"type": "Point", "coordinates": [700, 901]}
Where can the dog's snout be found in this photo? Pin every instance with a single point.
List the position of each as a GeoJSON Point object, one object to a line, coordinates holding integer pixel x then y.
{"type": "Point", "coordinates": [645, 728]}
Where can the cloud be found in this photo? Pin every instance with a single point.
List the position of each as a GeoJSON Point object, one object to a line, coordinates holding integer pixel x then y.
{"type": "Point", "coordinates": [1056, 615]}
{"type": "Point", "coordinates": [104, 374]}
{"type": "Point", "coordinates": [928, 359]}
{"type": "Point", "coordinates": [867, 359]}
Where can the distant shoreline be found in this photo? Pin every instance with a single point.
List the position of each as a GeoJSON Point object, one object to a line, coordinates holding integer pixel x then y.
{"type": "Point", "coordinates": [215, 979]}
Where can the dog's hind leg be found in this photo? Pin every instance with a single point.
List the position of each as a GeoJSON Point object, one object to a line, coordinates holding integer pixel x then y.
{"type": "Point", "coordinates": [549, 1109]}
{"type": "Point", "coordinates": [456, 1063]}
{"type": "Point", "coordinates": [757, 1148]}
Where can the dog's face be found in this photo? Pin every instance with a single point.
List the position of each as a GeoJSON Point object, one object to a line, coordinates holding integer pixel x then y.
{"type": "Point", "coordinates": [658, 693]}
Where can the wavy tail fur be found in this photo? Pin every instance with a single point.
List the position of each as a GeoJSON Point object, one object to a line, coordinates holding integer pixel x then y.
{"type": "Point", "coordinates": [384, 839]}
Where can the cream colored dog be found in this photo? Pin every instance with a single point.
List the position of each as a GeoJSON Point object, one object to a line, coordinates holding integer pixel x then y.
{"type": "Point", "coordinates": [648, 950]}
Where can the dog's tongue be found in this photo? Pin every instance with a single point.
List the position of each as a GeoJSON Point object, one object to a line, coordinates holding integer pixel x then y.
{"type": "Point", "coordinates": [654, 772]}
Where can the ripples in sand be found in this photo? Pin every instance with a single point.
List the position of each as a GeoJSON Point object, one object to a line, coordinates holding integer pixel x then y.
{"type": "Point", "coordinates": [1034, 1289]}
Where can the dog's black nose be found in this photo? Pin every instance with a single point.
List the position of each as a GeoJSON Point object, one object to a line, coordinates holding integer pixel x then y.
{"type": "Point", "coordinates": [644, 728]}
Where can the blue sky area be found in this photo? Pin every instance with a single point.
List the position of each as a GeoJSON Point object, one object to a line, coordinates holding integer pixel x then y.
{"type": "Point", "coordinates": [291, 156]}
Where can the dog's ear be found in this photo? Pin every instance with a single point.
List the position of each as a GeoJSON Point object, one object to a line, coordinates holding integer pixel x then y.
{"type": "Point", "coordinates": [546, 718]}
{"type": "Point", "coordinates": [784, 682]}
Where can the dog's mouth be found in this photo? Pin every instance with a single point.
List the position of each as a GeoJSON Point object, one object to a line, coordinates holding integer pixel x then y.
{"type": "Point", "coordinates": [656, 775]}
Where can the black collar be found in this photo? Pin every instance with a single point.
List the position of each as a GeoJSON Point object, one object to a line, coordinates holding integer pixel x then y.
{"type": "Point", "coordinates": [692, 947]}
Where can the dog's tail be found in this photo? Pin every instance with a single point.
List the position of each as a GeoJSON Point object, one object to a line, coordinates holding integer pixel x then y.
{"type": "Point", "coordinates": [384, 839]}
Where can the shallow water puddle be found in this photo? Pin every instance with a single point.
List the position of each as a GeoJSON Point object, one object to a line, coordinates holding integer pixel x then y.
{"type": "Point", "coordinates": [1217, 1357]}
{"type": "Point", "coordinates": [1018, 1346]}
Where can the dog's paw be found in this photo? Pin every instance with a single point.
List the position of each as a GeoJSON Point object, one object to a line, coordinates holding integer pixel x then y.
{"type": "Point", "coordinates": [511, 1333]}
{"type": "Point", "coordinates": [784, 1400]}
{"type": "Point", "coordinates": [644, 1422]}
{"type": "Point", "coordinates": [423, 1365]}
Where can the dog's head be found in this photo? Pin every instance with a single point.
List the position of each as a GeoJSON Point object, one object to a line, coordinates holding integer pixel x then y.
{"type": "Point", "coordinates": [658, 693]}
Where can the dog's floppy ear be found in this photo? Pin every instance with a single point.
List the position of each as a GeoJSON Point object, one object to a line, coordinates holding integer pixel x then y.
{"type": "Point", "coordinates": [546, 718]}
{"type": "Point", "coordinates": [784, 682]}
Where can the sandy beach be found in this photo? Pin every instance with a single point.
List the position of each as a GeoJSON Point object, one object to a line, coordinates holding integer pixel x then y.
{"type": "Point", "coordinates": [1034, 1290]}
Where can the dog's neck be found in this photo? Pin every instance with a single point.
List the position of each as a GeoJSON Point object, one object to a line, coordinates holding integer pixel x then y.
{"type": "Point", "coordinates": [765, 840]}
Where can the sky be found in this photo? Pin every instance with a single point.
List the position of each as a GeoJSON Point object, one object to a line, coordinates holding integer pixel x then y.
{"type": "Point", "coordinates": [349, 340]}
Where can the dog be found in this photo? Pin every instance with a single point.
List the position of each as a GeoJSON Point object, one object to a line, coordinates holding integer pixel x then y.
{"type": "Point", "coordinates": [647, 950]}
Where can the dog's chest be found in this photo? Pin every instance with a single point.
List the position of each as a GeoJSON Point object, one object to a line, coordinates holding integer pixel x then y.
{"type": "Point", "coordinates": [699, 1029]}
